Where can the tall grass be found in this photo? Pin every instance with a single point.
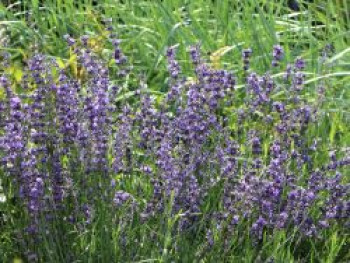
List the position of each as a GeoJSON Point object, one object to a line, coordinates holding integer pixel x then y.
{"type": "Point", "coordinates": [224, 27]}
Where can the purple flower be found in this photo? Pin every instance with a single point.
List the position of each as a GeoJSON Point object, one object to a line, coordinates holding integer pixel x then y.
{"type": "Point", "coordinates": [173, 65]}
{"type": "Point", "coordinates": [246, 54]}
{"type": "Point", "coordinates": [299, 64]}
{"type": "Point", "coordinates": [69, 39]}
{"type": "Point", "coordinates": [121, 198]}
{"type": "Point", "coordinates": [277, 54]}
{"type": "Point", "coordinates": [195, 54]}
{"type": "Point", "coordinates": [258, 227]}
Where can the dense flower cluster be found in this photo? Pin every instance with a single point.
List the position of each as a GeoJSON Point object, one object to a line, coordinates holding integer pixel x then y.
{"type": "Point", "coordinates": [70, 131]}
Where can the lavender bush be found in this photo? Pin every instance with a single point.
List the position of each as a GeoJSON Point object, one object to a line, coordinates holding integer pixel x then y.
{"type": "Point", "coordinates": [208, 166]}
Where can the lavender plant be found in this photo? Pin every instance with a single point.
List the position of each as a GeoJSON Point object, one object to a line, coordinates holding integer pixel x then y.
{"type": "Point", "coordinates": [196, 161]}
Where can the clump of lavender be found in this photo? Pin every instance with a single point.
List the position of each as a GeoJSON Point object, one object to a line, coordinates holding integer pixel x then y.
{"type": "Point", "coordinates": [13, 141]}
{"type": "Point", "coordinates": [122, 148]}
{"type": "Point", "coordinates": [64, 141]}
{"type": "Point", "coordinates": [67, 108]}
{"type": "Point", "coordinates": [97, 111]}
